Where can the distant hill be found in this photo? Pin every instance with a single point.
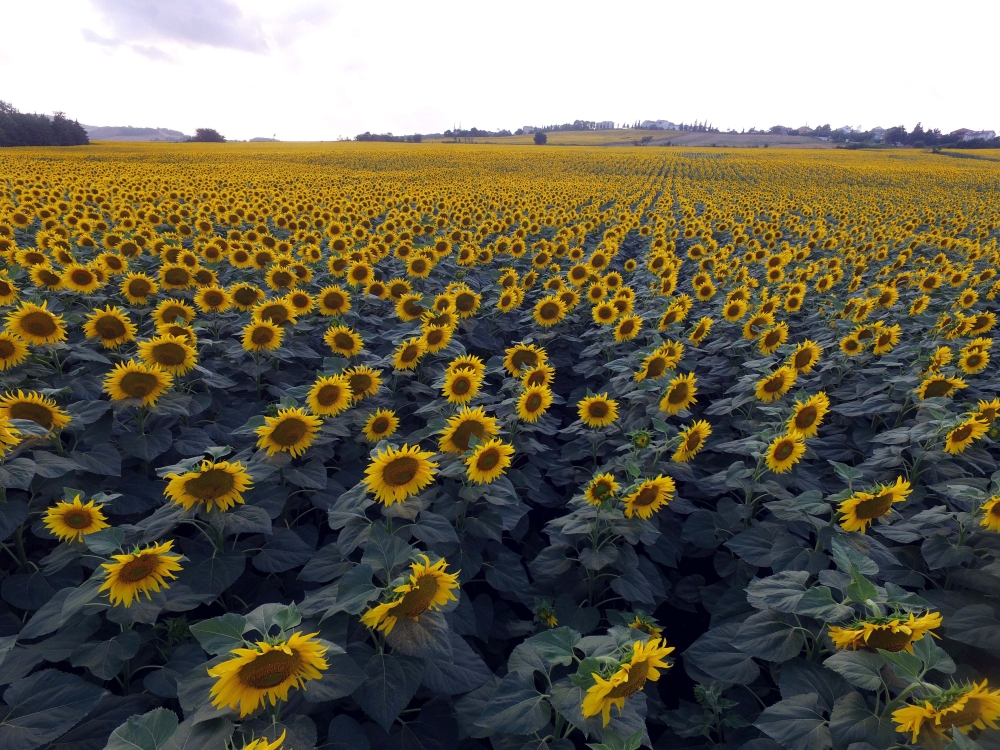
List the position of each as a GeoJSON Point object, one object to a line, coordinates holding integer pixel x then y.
{"type": "Point", "coordinates": [128, 133]}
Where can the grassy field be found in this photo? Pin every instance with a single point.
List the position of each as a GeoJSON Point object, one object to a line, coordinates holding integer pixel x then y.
{"type": "Point", "coordinates": [625, 137]}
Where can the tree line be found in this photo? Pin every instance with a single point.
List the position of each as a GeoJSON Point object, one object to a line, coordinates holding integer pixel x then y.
{"type": "Point", "coordinates": [20, 129]}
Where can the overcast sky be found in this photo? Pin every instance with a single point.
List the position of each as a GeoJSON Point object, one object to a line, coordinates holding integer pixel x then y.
{"type": "Point", "coordinates": [312, 70]}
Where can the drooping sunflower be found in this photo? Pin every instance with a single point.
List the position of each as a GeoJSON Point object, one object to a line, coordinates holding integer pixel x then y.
{"type": "Point", "coordinates": [267, 672]}
{"type": "Point", "coordinates": [364, 381]}
{"type": "Point", "coordinates": [809, 415]}
{"type": "Point", "coordinates": [784, 452]}
{"type": "Point", "coordinates": [111, 325]}
{"type": "Point", "coordinates": [692, 440]}
{"type": "Point", "coordinates": [860, 509]}
{"type": "Point", "coordinates": [408, 353]}
{"type": "Point", "coordinates": [397, 473]}
{"type": "Point", "coordinates": [649, 497]}
{"type": "Point", "coordinates": [461, 387]}
{"type": "Point", "coordinates": [344, 341]}
{"type": "Point", "coordinates": [462, 426]}
{"type": "Point", "coordinates": [777, 384]}
{"type": "Point", "coordinates": [429, 587]}
{"type": "Point", "coordinates": [940, 386]}
{"type": "Point", "coordinates": [488, 461]}
{"type": "Point", "coordinates": [964, 435]}
{"type": "Point", "coordinates": [139, 572]}
{"type": "Point", "coordinates": [893, 633]}
{"type": "Point", "coordinates": [987, 411]}
{"type": "Point", "coordinates": [533, 403]}
{"type": "Point", "coordinates": [70, 521]}
{"type": "Point", "coordinates": [643, 664]}
{"type": "Point", "coordinates": [520, 356]}
{"type": "Point", "coordinates": [963, 707]}
{"type": "Point", "coordinates": [292, 431]}
{"type": "Point", "coordinates": [681, 393]}
{"type": "Point", "coordinates": [262, 336]}
{"type": "Point", "coordinates": [13, 351]}
{"type": "Point", "coordinates": [380, 425]}
{"type": "Point", "coordinates": [220, 484]}
{"type": "Point", "coordinates": [173, 311]}
{"type": "Point", "coordinates": [263, 744]}
{"type": "Point", "coordinates": [598, 410]}
{"type": "Point", "coordinates": [172, 354]}
{"type": "Point", "coordinates": [600, 488]}
{"type": "Point", "coordinates": [137, 380]}
{"type": "Point", "coordinates": [35, 325]}
{"type": "Point", "coordinates": [36, 408]}
{"type": "Point", "coordinates": [805, 356]}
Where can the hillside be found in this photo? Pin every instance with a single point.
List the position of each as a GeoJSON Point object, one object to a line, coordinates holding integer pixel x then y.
{"type": "Point", "coordinates": [128, 133]}
{"type": "Point", "coordinates": [628, 137]}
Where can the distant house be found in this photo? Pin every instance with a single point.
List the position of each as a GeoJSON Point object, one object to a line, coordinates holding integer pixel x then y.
{"type": "Point", "coordinates": [658, 125]}
{"type": "Point", "coordinates": [528, 129]}
{"type": "Point", "coordinates": [846, 130]}
{"type": "Point", "coordinates": [605, 125]}
{"type": "Point", "coordinates": [878, 133]}
{"type": "Point", "coordinates": [974, 135]}
{"type": "Point", "coordinates": [804, 130]}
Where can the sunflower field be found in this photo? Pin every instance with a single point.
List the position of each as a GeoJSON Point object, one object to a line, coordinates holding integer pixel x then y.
{"type": "Point", "coordinates": [448, 447]}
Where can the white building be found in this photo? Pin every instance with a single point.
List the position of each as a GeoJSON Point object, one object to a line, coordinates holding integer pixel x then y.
{"type": "Point", "coordinates": [878, 133]}
{"type": "Point", "coordinates": [658, 125]}
{"type": "Point", "coordinates": [974, 135]}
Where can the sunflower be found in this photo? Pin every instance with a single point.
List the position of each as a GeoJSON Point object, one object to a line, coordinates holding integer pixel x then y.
{"type": "Point", "coordinates": [263, 744]}
{"type": "Point", "coordinates": [940, 386]}
{"type": "Point", "coordinates": [467, 302]}
{"type": "Point", "coordinates": [139, 572]}
{"type": "Point", "coordinates": [262, 336]}
{"type": "Point", "coordinates": [35, 325]}
{"type": "Point", "coordinates": [172, 354]}
{"type": "Point", "coordinates": [805, 356]}
{"type": "Point", "coordinates": [700, 331]}
{"type": "Point", "coordinates": [627, 679]}
{"type": "Point", "coordinates": [292, 431]}
{"type": "Point", "coordinates": [488, 461]}
{"type": "Point", "coordinates": [604, 314]}
{"type": "Point", "coordinates": [851, 345]}
{"type": "Point", "coordinates": [467, 363]}
{"type": "Point", "coordinates": [69, 521]}
{"type": "Point", "coordinates": [80, 279]}
{"type": "Point", "coordinates": [940, 358]}
{"type": "Point", "coordinates": [408, 307]}
{"type": "Point", "coordinates": [219, 484]}
{"type": "Point", "coordinates": [275, 310]}
{"type": "Point", "coordinates": [549, 311]}
{"type": "Point", "coordinates": [302, 302]}
{"type": "Point", "coordinates": [964, 435]}
{"type": "Point", "coordinates": [962, 706]}
{"type": "Point", "coordinates": [991, 514]}
{"type": "Point", "coordinates": [173, 276]}
{"type": "Point", "coordinates": [809, 415]}
{"type": "Point", "coordinates": [861, 508]}
{"type": "Point", "coordinates": [329, 395]}
{"type": "Point", "coordinates": [681, 393]}
{"type": "Point", "coordinates": [172, 311]}
{"type": "Point", "coordinates": [380, 425]}
{"type": "Point", "coordinates": [649, 497]}
{"type": "Point", "coordinates": [429, 588]}
{"type": "Point", "coordinates": [408, 353]}
{"type": "Point", "coordinates": [344, 341]}
{"type": "Point", "coordinates": [13, 351]}
{"type": "Point", "coordinates": [245, 296]}
{"type": "Point", "coordinates": [111, 325]}
{"type": "Point", "coordinates": [462, 386]}
{"type": "Point", "coordinates": [461, 427]}
{"type": "Point", "coordinates": [973, 362]}
{"type": "Point", "coordinates": [692, 440]}
{"type": "Point", "coordinates": [734, 310]}
{"type": "Point", "coordinates": [654, 366]}
{"type": "Point", "coordinates": [600, 488]}
{"type": "Point", "coordinates": [213, 299]}
{"type": "Point", "coordinates": [627, 328]}
{"type": "Point", "coordinates": [267, 672]}
{"type": "Point", "coordinates": [533, 402]}
{"type": "Point", "coordinates": [137, 380]}
{"type": "Point", "coordinates": [784, 452]}
{"type": "Point", "coordinates": [772, 338]}
{"type": "Point", "coordinates": [887, 338]}
{"type": "Point", "coordinates": [436, 338]}
{"type": "Point", "coordinates": [36, 408]}
{"type": "Point", "coordinates": [597, 411]}
{"type": "Point", "coordinates": [398, 473]}
{"type": "Point", "coordinates": [364, 382]}
{"type": "Point", "coordinates": [521, 356]}
{"type": "Point", "coordinates": [919, 304]}
{"type": "Point", "coordinates": [894, 633]}
{"type": "Point", "coordinates": [776, 385]}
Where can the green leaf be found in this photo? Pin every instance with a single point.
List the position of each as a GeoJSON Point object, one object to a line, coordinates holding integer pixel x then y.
{"type": "Point", "coordinates": [933, 656]}
{"type": "Point", "coordinates": [392, 680]}
{"type": "Point", "coordinates": [515, 708]}
{"type": "Point", "coordinates": [847, 559]}
{"type": "Point", "coordinates": [975, 625]}
{"type": "Point", "coordinates": [106, 658]}
{"type": "Point", "coordinates": [860, 589]}
{"type": "Point", "coordinates": [105, 541]}
{"type": "Point", "coordinates": [769, 635]}
{"type": "Point", "coordinates": [147, 732]}
{"type": "Point", "coordinates": [556, 645]}
{"type": "Point", "coordinates": [715, 655]}
{"type": "Point", "coordinates": [848, 473]}
{"type": "Point", "coordinates": [818, 602]}
{"type": "Point", "coordinates": [961, 741]}
{"type": "Point", "coordinates": [796, 723]}
{"type": "Point", "coordinates": [341, 678]}
{"type": "Point", "coordinates": [781, 592]}
{"type": "Point", "coordinates": [425, 636]}
{"type": "Point", "coordinates": [464, 671]}
{"type": "Point", "coordinates": [43, 707]}
{"type": "Point", "coordinates": [149, 446]}
{"type": "Point", "coordinates": [12, 514]}
{"type": "Point", "coordinates": [220, 635]}
{"type": "Point", "coordinates": [851, 721]}
{"type": "Point", "coordinates": [612, 741]}
{"type": "Point", "coordinates": [860, 668]}
{"type": "Point", "coordinates": [384, 551]}
{"type": "Point", "coordinates": [211, 734]}
{"type": "Point", "coordinates": [907, 665]}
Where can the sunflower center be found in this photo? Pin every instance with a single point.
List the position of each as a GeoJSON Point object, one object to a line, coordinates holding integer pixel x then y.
{"type": "Point", "coordinates": [784, 450]}
{"type": "Point", "coordinates": [109, 328]}
{"type": "Point", "coordinates": [549, 311]}
{"type": "Point", "coordinates": [533, 402]}
{"type": "Point", "coordinates": [601, 489]}
{"type": "Point", "coordinates": [637, 674]}
{"type": "Point", "coordinates": [461, 386]}
{"type": "Point", "coordinates": [775, 384]}
{"type": "Point", "coordinates": [627, 327]}
{"type": "Point", "coordinates": [360, 383]}
{"type": "Point", "coordinates": [973, 360]}
{"type": "Point", "coordinates": [962, 433]}
{"type": "Point", "coordinates": [343, 341]}
{"type": "Point", "coordinates": [169, 354]}
{"type": "Point", "coordinates": [172, 313]}
{"type": "Point", "coordinates": [646, 496]}
{"type": "Point", "coordinates": [211, 484]}
{"type": "Point", "coordinates": [805, 417]}
{"type": "Point", "coordinates": [269, 670]}
{"type": "Point", "coordinates": [464, 432]}
{"type": "Point", "coordinates": [488, 459]}
{"type": "Point", "coordinates": [329, 395]}
{"type": "Point", "coordinates": [802, 359]}
{"type": "Point", "coordinates": [884, 638]}
{"type": "Point", "coordinates": [656, 367]}
{"type": "Point", "coordinates": [522, 358]}
{"type": "Point", "coordinates": [37, 413]}
{"type": "Point", "coordinates": [213, 299]}
{"type": "Point", "coordinates": [282, 278]}
{"type": "Point", "coordinates": [693, 441]}
{"type": "Point", "coordinates": [937, 388]}
{"type": "Point", "coordinates": [82, 276]}
{"type": "Point", "coordinates": [412, 308]}
{"type": "Point", "coordinates": [262, 335]}
{"type": "Point", "coordinates": [176, 276]}
{"type": "Point", "coordinates": [274, 313]}
{"type": "Point", "coordinates": [597, 409]}
{"type": "Point", "coordinates": [772, 338]}
{"type": "Point", "coordinates": [138, 384]}
{"type": "Point", "coordinates": [970, 713]}
{"type": "Point", "coordinates": [6, 349]}
{"type": "Point", "coordinates": [380, 425]}
{"type": "Point", "coordinates": [39, 324]}
{"type": "Point", "coordinates": [245, 297]}
{"type": "Point", "coordinates": [410, 353]}
{"type": "Point", "coordinates": [289, 431]}
{"type": "Point", "coordinates": [138, 569]}
{"type": "Point", "coordinates": [465, 302]}
{"type": "Point", "coordinates": [418, 599]}
{"type": "Point", "coordinates": [77, 519]}
{"type": "Point", "coordinates": [435, 336]}
{"type": "Point", "coordinates": [678, 394]}
{"type": "Point", "coordinates": [874, 507]}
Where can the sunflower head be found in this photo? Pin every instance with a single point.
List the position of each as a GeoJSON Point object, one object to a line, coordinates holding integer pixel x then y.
{"type": "Point", "coordinates": [139, 572]}
{"type": "Point", "coordinates": [380, 425]}
{"type": "Point", "coordinates": [34, 324]}
{"type": "Point", "coordinates": [71, 520]}
{"type": "Point", "coordinates": [397, 473]}
{"type": "Point", "coordinates": [292, 431]}
{"type": "Point", "coordinates": [600, 489]}
{"type": "Point", "coordinates": [139, 381]}
{"type": "Point", "coordinates": [598, 410]}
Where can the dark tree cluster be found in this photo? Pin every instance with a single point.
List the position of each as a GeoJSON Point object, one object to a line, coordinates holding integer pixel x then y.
{"type": "Point", "coordinates": [207, 135]}
{"type": "Point", "coordinates": [19, 129]}
{"type": "Point", "coordinates": [389, 137]}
